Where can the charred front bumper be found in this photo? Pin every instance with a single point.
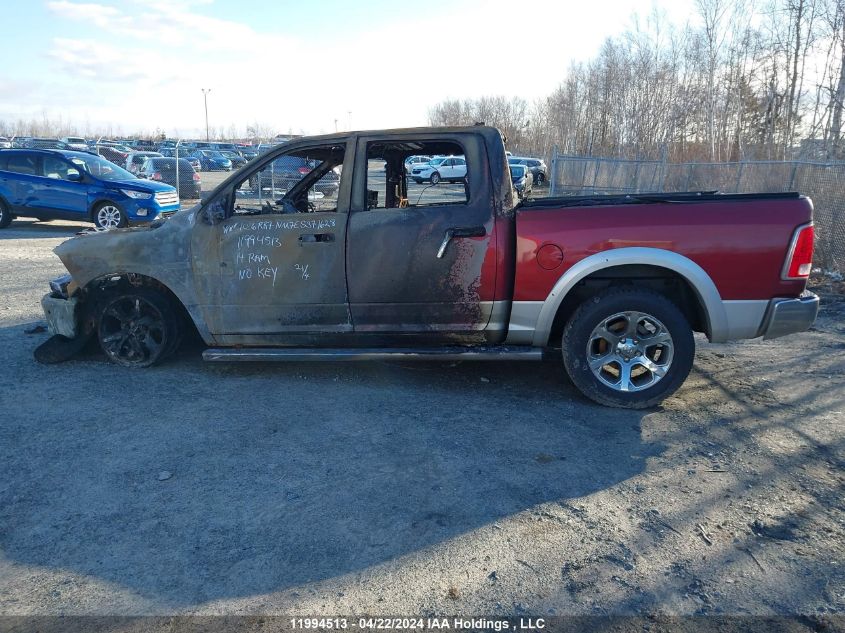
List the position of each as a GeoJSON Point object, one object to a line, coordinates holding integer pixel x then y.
{"type": "Point", "coordinates": [60, 309]}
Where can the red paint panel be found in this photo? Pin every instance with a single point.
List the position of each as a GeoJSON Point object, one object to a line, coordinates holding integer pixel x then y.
{"type": "Point", "coordinates": [742, 245]}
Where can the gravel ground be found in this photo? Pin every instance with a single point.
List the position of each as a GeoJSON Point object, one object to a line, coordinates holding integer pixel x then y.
{"type": "Point", "coordinates": [401, 489]}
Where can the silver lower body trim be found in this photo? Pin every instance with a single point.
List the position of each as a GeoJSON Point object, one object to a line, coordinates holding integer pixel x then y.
{"type": "Point", "coordinates": [523, 323]}
{"type": "Point", "coordinates": [743, 319]}
{"type": "Point", "coordinates": [293, 354]}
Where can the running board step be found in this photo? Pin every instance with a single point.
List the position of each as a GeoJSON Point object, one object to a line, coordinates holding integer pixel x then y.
{"type": "Point", "coordinates": [289, 354]}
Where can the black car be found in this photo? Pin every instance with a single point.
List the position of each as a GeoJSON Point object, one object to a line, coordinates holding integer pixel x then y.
{"type": "Point", "coordinates": [164, 170]}
{"type": "Point", "coordinates": [536, 165]}
{"type": "Point", "coordinates": [284, 172]}
{"type": "Point", "coordinates": [235, 157]}
{"type": "Point", "coordinates": [171, 152]}
{"type": "Point", "coordinates": [522, 180]}
{"type": "Point", "coordinates": [249, 152]}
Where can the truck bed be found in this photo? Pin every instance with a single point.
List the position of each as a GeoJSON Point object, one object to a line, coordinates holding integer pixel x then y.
{"type": "Point", "coordinates": [650, 198]}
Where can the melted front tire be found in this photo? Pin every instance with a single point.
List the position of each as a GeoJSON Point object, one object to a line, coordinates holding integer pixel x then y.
{"type": "Point", "coordinates": [628, 347]}
{"type": "Point", "coordinates": [138, 328]}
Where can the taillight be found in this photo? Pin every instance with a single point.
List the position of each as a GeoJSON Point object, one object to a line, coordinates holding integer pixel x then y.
{"type": "Point", "coordinates": [156, 175]}
{"type": "Point", "coordinates": [799, 259]}
{"type": "Point", "coordinates": [304, 170]}
{"type": "Point", "coordinates": [196, 177]}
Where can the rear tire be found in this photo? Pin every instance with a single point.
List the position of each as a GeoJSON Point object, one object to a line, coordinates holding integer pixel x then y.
{"type": "Point", "coordinates": [628, 347]}
{"type": "Point", "coordinates": [5, 215]}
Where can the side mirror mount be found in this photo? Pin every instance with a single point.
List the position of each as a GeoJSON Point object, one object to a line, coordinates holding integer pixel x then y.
{"type": "Point", "coordinates": [213, 213]}
{"type": "Point", "coordinates": [74, 176]}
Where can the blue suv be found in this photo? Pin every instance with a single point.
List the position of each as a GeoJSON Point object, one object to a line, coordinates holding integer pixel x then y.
{"type": "Point", "coordinates": [68, 185]}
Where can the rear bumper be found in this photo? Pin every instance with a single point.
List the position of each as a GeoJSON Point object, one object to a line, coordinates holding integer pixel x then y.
{"type": "Point", "coordinates": [787, 316]}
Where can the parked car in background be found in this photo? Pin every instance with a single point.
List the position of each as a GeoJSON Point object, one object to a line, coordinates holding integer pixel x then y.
{"type": "Point", "coordinates": [451, 168]}
{"type": "Point", "coordinates": [536, 165]}
{"type": "Point", "coordinates": [181, 153]}
{"type": "Point", "coordinates": [248, 152]}
{"type": "Point", "coordinates": [238, 161]}
{"type": "Point", "coordinates": [163, 169]}
{"type": "Point", "coordinates": [284, 173]}
{"type": "Point", "coordinates": [134, 160]}
{"type": "Point", "coordinates": [112, 152]}
{"type": "Point", "coordinates": [46, 143]}
{"type": "Point", "coordinates": [228, 147]}
{"type": "Point", "coordinates": [212, 160]}
{"type": "Point", "coordinates": [63, 184]}
{"type": "Point", "coordinates": [197, 144]}
{"type": "Point", "coordinates": [522, 180]}
{"type": "Point", "coordinates": [415, 161]}
{"type": "Point", "coordinates": [5, 143]}
{"type": "Point", "coordinates": [76, 143]}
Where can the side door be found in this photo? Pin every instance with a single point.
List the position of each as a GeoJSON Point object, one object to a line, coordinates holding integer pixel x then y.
{"type": "Point", "coordinates": [460, 168]}
{"type": "Point", "coordinates": [423, 263]}
{"type": "Point", "coordinates": [272, 269]}
{"type": "Point", "coordinates": [21, 181]}
{"type": "Point", "coordinates": [60, 189]}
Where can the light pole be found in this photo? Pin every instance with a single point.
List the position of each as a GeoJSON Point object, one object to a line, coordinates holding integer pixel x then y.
{"type": "Point", "coordinates": [205, 92]}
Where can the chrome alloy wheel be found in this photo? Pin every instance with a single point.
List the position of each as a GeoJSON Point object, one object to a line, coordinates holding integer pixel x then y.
{"type": "Point", "coordinates": [630, 351]}
{"type": "Point", "coordinates": [108, 216]}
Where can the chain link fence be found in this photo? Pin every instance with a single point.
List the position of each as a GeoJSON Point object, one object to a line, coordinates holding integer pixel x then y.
{"type": "Point", "coordinates": [824, 183]}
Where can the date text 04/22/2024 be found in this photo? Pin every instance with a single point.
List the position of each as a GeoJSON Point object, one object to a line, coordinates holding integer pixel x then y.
{"type": "Point", "coordinates": [419, 624]}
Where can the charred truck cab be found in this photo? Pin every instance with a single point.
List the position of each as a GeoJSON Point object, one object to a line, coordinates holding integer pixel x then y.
{"type": "Point", "coordinates": [325, 248]}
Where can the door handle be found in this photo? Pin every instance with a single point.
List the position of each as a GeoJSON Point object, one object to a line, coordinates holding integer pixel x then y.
{"type": "Point", "coordinates": [459, 231]}
{"type": "Point", "coordinates": [307, 238]}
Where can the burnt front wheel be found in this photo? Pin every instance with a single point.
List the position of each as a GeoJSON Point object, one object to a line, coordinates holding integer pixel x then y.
{"type": "Point", "coordinates": [138, 328]}
{"type": "Point", "coordinates": [628, 347]}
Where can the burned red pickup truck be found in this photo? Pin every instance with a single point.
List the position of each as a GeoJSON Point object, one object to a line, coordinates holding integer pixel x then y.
{"type": "Point", "coordinates": [269, 267]}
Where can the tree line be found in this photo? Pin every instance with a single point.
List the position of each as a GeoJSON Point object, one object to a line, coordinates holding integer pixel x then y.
{"type": "Point", "coordinates": [747, 80]}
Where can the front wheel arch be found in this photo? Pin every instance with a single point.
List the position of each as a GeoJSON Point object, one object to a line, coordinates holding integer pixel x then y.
{"type": "Point", "coordinates": [104, 285]}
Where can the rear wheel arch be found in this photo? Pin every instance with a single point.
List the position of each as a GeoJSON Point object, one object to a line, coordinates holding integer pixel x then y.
{"type": "Point", "coordinates": [671, 274]}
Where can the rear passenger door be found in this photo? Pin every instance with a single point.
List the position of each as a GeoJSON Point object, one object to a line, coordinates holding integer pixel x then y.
{"type": "Point", "coordinates": [423, 264]}
{"type": "Point", "coordinates": [20, 179]}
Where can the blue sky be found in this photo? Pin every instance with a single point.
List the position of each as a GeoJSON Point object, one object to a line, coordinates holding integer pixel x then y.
{"type": "Point", "coordinates": [289, 66]}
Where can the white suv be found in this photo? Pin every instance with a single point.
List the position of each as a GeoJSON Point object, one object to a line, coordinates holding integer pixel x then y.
{"type": "Point", "coordinates": [75, 143]}
{"type": "Point", "coordinates": [451, 168]}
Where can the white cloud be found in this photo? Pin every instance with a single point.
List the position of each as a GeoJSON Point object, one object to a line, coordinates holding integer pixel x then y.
{"type": "Point", "coordinates": [144, 64]}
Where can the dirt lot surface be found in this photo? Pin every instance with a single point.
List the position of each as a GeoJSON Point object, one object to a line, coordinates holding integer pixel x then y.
{"type": "Point", "coordinates": [413, 489]}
